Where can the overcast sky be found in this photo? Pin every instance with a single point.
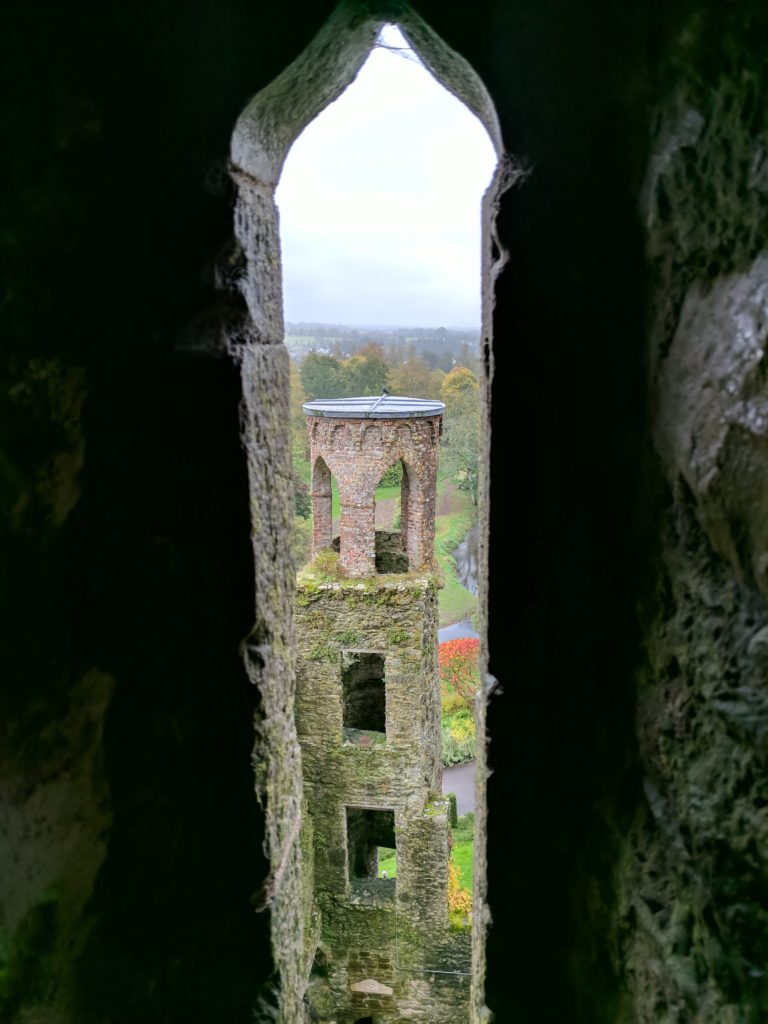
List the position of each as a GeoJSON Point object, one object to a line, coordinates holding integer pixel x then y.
{"type": "Point", "coordinates": [380, 203]}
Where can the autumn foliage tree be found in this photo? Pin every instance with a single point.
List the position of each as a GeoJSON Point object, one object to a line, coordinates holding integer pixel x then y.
{"type": "Point", "coordinates": [458, 386]}
{"type": "Point", "coordinates": [459, 670]}
{"type": "Point", "coordinates": [413, 378]}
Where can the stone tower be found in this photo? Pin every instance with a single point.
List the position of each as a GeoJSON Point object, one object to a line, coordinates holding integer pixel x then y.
{"type": "Point", "coordinates": [368, 719]}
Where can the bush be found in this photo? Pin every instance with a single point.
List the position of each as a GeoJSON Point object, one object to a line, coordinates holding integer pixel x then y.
{"type": "Point", "coordinates": [302, 540]}
{"type": "Point", "coordinates": [459, 900]}
{"type": "Point", "coordinates": [302, 503]}
{"type": "Point", "coordinates": [452, 703]}
{"type": "Point", "coordinates": [461, 726]}
{"type": "Point", "coordinates": [459, 670]}
{"type": "Point", "coordinates": [393, 476]}
{"type": "Point", "coordinates": [325, 564]}
{"type": "Point", "coordinates": [464, 830]}
{"type": "Point", "coordinates": [457, 751]}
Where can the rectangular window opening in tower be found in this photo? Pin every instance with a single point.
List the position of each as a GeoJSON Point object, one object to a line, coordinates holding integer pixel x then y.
{"type": "Point", "coordinates": [364, 697]}
{"type": "Point", "coordinates": [370, 837]}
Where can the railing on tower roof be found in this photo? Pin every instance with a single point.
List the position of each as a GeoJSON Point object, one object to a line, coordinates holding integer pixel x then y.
{"type": "Point", "coordinates": [383, 407]}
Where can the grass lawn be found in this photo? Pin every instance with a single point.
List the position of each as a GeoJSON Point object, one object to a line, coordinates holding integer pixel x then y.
{"type": "Point", "coordinates": [462, 853]}
{"type": "Point", "coordinates": [462, 850]}
{"type": "Point", "coordinates": [381, 494]}
{"type": "Point", "coordinates": [387, 862]}
{"type": "Point", "coordinates": [455, 602]}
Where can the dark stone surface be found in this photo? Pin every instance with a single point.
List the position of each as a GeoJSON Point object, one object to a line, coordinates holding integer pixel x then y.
{"type": "Point", "coordinates": [126, 534]}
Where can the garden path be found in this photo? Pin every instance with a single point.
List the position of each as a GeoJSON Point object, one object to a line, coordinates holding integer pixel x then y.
{"type": "Point", "coordinates": [460, 779]}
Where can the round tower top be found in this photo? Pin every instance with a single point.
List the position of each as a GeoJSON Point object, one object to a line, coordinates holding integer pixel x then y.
{"type": "Point", "coordinates": [383, 407]}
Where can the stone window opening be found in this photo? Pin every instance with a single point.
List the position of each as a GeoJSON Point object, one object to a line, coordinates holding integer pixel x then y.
{"type": "Point", "coordinates": [364, 703]}
{"type": "Point", "coordinates": [368, 831]}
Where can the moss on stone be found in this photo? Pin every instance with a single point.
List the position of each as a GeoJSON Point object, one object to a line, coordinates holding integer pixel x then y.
{"type": "Point", "coordinates": [348, 638]}
{"type": "Point", "coordinates": [327, 653]}
{"type": "Point", "coordinates": [27, 959]}
{"type": "Point", "coordinates": [397, 636]}
{"type": "Point", "coordinates": [367, 928]}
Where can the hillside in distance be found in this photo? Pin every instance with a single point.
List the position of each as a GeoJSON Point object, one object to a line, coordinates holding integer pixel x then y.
{"type": "Point", "coordinates": [440, 347]}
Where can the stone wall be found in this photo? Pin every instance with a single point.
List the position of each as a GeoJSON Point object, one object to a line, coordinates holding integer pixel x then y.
{"type": "Point", "coordinates": [694, 898]}
{"type": "Point", "coordinates": [384, 945]}
{"type": "Point", "coordinates": [133, 840]}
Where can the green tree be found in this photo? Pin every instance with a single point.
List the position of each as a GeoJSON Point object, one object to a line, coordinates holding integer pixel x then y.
{"type": "Point", "coordinates": [302, 503]}
{"type": "Point", "coordinates": [301, 540]}
{"type": "Point", "coordinates": [299, 436]}
{"type": "Point", "coordinates": [302, 523]}
{"type": "Point", "coordinates": [371, 351]}
{"type": "Point", "coordinates": [436, 383]}
{"type": "Point", "coordinates": [414, 379]}
{"type": "Point", "coordinates": [461, 440]}
{"type": "Point", "coordinates": [321, 376]}
{"type": "Point", "coordinates": [457, 385]}
{"type": "Point", "coordinates": [393, 477]}
{"type": "Point", "coordinates": [363, 375]}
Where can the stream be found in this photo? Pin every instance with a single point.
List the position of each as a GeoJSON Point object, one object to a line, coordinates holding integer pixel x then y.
{"type": "Point", "coordinates": [466, 559]}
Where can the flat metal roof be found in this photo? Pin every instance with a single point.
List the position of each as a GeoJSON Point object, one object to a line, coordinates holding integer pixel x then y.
{"type": "Point", "coordinates": [381, 407]}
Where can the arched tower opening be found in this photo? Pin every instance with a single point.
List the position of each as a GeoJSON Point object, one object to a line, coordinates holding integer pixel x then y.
{"type": "Point", "coordinates": [392, 519]}
{"type": "Point", "coordinates": [322, 505]}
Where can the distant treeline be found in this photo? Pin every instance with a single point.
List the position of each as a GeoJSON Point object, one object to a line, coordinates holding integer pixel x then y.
{"type": "Point", "coordinates": [440, 347]}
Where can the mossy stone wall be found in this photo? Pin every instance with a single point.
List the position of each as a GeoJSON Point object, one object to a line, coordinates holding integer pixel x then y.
{"type": "Point", "coordinates": [373, 930]}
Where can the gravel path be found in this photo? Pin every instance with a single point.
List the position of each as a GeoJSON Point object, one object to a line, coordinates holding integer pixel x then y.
{"type": "Point", "coordinates": [460, 779]}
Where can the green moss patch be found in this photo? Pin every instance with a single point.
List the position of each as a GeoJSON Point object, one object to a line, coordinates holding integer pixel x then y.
{"type": "Point", "coordinates": [26, 960]}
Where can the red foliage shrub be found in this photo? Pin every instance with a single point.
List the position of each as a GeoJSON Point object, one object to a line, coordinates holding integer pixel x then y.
{"type": "Point", "coordinates": [459, 669]}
